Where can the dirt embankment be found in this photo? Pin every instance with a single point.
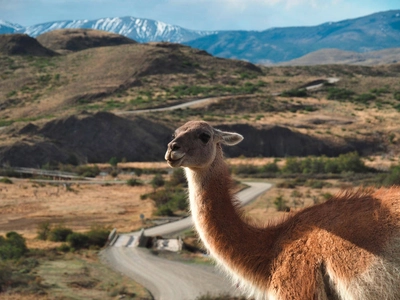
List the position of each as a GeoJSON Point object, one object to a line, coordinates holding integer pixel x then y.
{"type": "Point", "coordinates": [87, 138]}
{"type": "Point", "coordinates": [95, 138]}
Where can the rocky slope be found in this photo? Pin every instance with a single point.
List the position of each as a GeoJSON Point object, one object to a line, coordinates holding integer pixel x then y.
{"type": "Point", "coordinates": [95, 138]}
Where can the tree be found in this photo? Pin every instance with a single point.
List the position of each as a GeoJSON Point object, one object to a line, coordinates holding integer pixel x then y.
{"type": "Point", "coordinates": [113, 161]}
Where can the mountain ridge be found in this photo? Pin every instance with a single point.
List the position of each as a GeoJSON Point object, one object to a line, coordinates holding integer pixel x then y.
{"type": "Point", "coordinates": [373, 32]}
{"type": "Point", "coordinates": [138, 29]}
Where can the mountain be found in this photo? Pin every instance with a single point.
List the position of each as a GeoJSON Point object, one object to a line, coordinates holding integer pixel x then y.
{"type": "Point", "coordinates": [371, 33]}
{"type": "Point", "coordinates": [7, 27]}
{"type": "Point", "coordinates": [141, 30]}
{"type": "Point", "coordinates": [336, 56]}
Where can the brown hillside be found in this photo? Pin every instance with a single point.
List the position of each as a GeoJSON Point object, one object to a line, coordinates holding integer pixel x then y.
{"type": "Point", "coordinates": [95, 138]}
{"type": "Point", "coordinates": [336, 56]}
{"type": "Point", "coordinates": [94, 78]}
{"type": "Point", "coordinates": [87, 138]}
{"type": "Point", "coordinates": [22, 44]}
{"type": "Point", "coordinates": [67, 40]}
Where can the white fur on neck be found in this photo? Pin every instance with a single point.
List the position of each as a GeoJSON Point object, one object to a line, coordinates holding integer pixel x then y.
{"type": "Point", "coordinates": [195, 190]}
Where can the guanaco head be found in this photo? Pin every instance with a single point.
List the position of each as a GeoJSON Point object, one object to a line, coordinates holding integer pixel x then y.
{"type": "Point", "coordinates": [194, 144]}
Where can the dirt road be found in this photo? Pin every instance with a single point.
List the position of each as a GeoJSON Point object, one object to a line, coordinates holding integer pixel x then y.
{"type": "Point", "coordinates": [167, 279]}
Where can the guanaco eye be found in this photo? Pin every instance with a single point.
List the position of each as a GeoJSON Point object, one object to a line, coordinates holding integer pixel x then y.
{"type": "Point", "coordinates": [204, 137]}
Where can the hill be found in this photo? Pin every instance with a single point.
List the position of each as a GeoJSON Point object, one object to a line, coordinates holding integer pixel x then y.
{"type": "Point", "coordinates": [106, 78]}
{"type": "Point", "coordinates": [336, 56]}
{"type": "Point", "coordinates": [22, 44]}
{"type": "Point", "coordinates": [79, 107]}
{"type": "Point", "coordinates": [64, 40]}
{"type": "Point", "coordinates": [85, 138]}
{"type": "Point", "coordinates": [95, 138]}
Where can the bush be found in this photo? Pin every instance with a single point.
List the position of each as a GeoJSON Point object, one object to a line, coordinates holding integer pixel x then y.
{"type": "Point", "coordinates": [64, 248]}
{"type": "Point", "coordinates": [396, 95]}
{"type": "Point", "coordinates": [245, 169]}
{"type": "Point", "coordinates": [78, 240]}
{"type": "Point", "coordinates": [178, 178]}
{"type": "Point", "coordinates": [281, 204]}
{"type": "Point", "coordinates": [270, 168]}
{"type": "Point", "coordinates": [59, 234]}
{"type": "Point", "coordinates": [339, 94]}
{"type": "Point", "coordinates": [113, 161]}
{"type": "Point", "coordinates": [365, 98]}
{"type": "Point", "coordinates": [6, 180]}
{"type": "Point", "coordinates": [164, 210]}
{"type": "Point", "coordinates": [157, 181]}
{"type": "Point", "coordinates": [349, 162]}
{"type": "Point", "coordinates": [133, 182]}
{"type": "Point", "coordinates": [98, 236]}
{"type": "Point", "coordinates": [88, 171]}
{"type": "Point", "coordinates": [13, 246]}
{"type": "Point", "coordinates": [393, 178]}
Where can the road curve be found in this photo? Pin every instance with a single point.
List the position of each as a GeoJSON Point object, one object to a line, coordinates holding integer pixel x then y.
{"type": "Point", "coordinates": [167, 279]}
{"type": "Point", "coordinates": [178, 106]}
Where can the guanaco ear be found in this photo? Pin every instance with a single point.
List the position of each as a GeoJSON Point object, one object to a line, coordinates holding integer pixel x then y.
{"type": "Point", "coordinates": [229, 138]}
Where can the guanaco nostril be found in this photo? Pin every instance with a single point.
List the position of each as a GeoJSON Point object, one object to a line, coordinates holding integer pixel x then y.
{"type": "Point", "coordinates": [175, 147]}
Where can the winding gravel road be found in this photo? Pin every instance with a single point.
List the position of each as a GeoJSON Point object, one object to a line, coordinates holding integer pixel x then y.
{"type": "Point", "coordinates": [172, 280]}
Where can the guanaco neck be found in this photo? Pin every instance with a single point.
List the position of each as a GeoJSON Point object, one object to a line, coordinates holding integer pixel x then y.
{"type": "Point", "coordinates": [234, 243]}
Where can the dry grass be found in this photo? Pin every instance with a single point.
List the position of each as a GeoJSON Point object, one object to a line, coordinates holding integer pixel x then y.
{"type": "Point", "coordinates": [263, 211]}
{"type": "Point", "coordinates": [25, 204]}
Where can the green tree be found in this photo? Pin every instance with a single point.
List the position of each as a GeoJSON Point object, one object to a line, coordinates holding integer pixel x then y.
{"type": "Point", "coordinates": [113, 161]}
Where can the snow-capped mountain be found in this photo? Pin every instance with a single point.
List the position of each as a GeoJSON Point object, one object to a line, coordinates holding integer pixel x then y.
{"type": "Point", "coordinates": [7, 27]}
{"type": "Point", "coordinates": [141, 30]}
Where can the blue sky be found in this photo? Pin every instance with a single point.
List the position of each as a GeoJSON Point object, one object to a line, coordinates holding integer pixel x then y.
{"type": "Point", "coordinates": [197, 14]}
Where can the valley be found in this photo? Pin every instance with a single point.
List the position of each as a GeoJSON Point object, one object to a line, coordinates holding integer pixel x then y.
{"type": "Point", "coordinates": [93, 112]}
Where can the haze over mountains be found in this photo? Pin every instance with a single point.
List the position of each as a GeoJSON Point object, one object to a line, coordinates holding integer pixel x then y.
{"type": "Point", "coordinates": [276, 45]}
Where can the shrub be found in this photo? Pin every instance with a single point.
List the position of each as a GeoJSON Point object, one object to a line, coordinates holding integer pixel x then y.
{"type": "Point", "coordinates": [396, 95]}
{"type": "Point", "coordinates": [113, 161]}
{"type": "Point", "coordinates": [59, 234]}
{"type": "Point", "coordinates": [88, 171]}
{"type": "Point", "coordinates": [98, 236]}
{"type": "Point", "coordinates": [78, 240]}
{"type": "Point", "coordinates": [281, 203]}
{"type": "Point", "coordinates": [157, 181]}
{"type": "Point", "coordinates": [292, 165]}
{"type": "Point", "coordinates": [6, 180]}
{"type": "Point", "coordinates": [178, 178]}
{"type": "Point", "coordinates": [349, 162]}
{"type": "Point", "coordinates": [13, 246]}
{"type": "Point", "coordinates": [133, 182]}
{"type": "Point", "coordinates": [164, 210]}
{"type": "Point", "coordinates": [245, 169]}
{"type": "Point", "coordinates": [365, 98]}
{"type": "Point", "coordinates": [393, 178]}
{"type": "Point", "coordinates": [138, 171]}
{"type": "Point", "coordinates": [64, 248]}
{"type": "Point", "coordinates": [339, 94]}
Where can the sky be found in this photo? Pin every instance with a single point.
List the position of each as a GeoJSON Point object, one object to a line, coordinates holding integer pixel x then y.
{"type": "Point", "coordinates": [197, 14]}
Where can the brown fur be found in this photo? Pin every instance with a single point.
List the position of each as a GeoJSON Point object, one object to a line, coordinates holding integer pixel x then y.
{"type": "Point", "coordinates": [340, 249]}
